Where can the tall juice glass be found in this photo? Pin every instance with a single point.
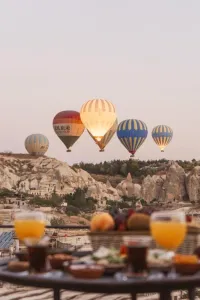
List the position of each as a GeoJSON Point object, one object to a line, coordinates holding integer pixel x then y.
{"type": "Point", "coordinates": [168, 228]}
{"type": "Point", "coordinates": [29, 226]}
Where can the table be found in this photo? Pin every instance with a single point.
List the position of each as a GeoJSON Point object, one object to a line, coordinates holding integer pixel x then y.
{"type": "Point", "coordinates": [57, 280]}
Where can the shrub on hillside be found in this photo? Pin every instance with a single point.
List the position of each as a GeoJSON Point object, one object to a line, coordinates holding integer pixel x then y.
{"type": "Point", "coordinates": [72, 210]}
{"type": "Point", "coordinates": [6, 193]}
{"type": "Point", "coordinates": [57, 221]}
{"type": "Point", "coordinates": [54, 201]}
{"type": "Point", "coordinates": [138, 169]}
{"type": "Point", "coordinates": [78, 199]}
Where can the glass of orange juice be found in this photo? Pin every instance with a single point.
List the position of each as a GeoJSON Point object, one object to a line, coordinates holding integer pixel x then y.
{"type": "Point", "coordinates": [168, 228]}
{"type": "Point", "coordinates": [29, 226]}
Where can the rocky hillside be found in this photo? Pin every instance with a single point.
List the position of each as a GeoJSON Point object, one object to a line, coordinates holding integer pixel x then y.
{"type": "Point", "coordinates": [42, 176]}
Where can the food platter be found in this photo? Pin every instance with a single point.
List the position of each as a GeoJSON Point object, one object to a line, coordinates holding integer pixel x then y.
{"type": "Point", "coordinates": [110, 260]}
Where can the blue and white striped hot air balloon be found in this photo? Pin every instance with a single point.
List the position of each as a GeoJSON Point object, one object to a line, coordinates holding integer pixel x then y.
{"type": "Point", "coordinates": [36, 144]}
{"type": "Point", "coordinates": [162, 136]}
{"type": "Point", "coordinates": [132, 133]}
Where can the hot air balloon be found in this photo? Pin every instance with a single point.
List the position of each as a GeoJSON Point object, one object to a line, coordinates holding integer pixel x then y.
{"type": "Point", "coordinates": [106, 138]}
{"type": "Point", "coordinates": [162, 135]}
{"type": "Point", "coordinates": [132, 134]}
{"type": "Point", "coordinates": [68, 127]}
{"type": "Point", "coordinates": [98, 116]}
{"type": "Point", "coordinates": [36, 144]}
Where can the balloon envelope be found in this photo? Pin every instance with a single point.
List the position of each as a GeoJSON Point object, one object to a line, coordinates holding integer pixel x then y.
{"type": "Point", "coordinates": [98, 116]}
{"type": "Point", "coordinates": [162, 135]}
{"type": "Point", "coordinates": [132, 134]}
{"type": "Point", "coordinates": [107, 137]}
{"type": "Point", "coordinates": [68, 127]}
{"type": "Point", "coordinates": [36, 144]}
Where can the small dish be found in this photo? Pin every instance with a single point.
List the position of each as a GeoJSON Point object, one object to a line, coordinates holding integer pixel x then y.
{"type": "Point", "coordinates": [86, 271]}
{"type": "Point", "coordinates": [187, 268]}
{"type": "Point", "coordinates": [57, 260]}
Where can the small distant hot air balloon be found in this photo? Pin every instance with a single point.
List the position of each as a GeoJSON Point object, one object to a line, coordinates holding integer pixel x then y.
{"type": "Point", "coordinates": [36, 144]}
{"type": "Point", "coordinates": [162, 135]}
{"type": "Point", "coordinates": [132, 134]}
{"type": "Point", "coordinates": [68, 127]}
{"type": "Point", "coordinates": [98, 116]}
{"type": "Point", "coordinates": [106, 138]}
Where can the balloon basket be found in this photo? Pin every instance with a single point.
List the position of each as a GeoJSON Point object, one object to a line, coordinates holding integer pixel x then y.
{"type": "Point", "coordinates": [68, 150]}
{"type": "Point", "coordinates": [102, 150]}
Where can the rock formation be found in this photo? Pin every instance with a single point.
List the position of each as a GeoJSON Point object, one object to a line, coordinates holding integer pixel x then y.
{"type": "Point", "coordinates": [166, 188]}
{"type": "Point", "coordinates": [193, 184]}
{"type": "Point", "coordinates": [43, 176]}
{"type": "Point", "coordinates": [174, 186]}
{"type": "Point", "coordinates": [152, 187]}
{"type": "Point", "coordinates": [129, 189]}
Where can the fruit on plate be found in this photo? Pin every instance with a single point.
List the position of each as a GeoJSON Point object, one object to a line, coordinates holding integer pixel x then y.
{"type": "Point", "coordinates": [102, 222]}
{"type": "Point", "coordinates": [186, 264]}
{"type": "Point", "coordinates": [185, 259]}
{"type": "Point", "coordinates": [138, 221]}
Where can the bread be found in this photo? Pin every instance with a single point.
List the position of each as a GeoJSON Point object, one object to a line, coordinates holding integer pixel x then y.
{"type": "Point", "coordinates": [18, 266]}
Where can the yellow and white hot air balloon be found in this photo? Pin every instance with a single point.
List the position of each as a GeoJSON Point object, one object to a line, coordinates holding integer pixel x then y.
{"type": "Point", "coordinates": [107, 137]}
{"type": "Point", "coordinates": [98, 116]}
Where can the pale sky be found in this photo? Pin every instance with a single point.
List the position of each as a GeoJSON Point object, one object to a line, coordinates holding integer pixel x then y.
{"type": "Point", "coordinates": [143, 55]}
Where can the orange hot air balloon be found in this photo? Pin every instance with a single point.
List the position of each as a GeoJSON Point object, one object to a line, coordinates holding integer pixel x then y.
{"type": "Point", "coordinates": [107, 137]}
{"type": "Point", "coordinates": [98, 116]}
{"type": "Point", "coordinates": [68, 127]}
